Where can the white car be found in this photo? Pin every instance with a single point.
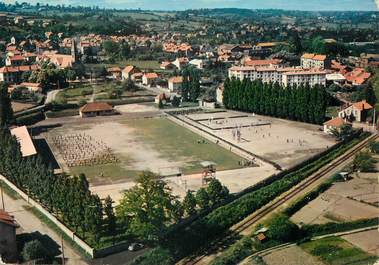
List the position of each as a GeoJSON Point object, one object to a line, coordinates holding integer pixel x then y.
{"type": "Point", "coordinates": [135, 246]}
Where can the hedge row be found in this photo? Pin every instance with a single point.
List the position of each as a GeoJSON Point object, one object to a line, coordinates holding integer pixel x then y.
{"type": "Point", "coordinates": [331, 228]}
{"type": "Point", "coordinates": [30, 119]}
{"type": "Point", "coordinates": [243, 248]}
{"type": "Point", "coordinates": [292, 209]}
{"type": "Point", "coordinates": [62, 113]}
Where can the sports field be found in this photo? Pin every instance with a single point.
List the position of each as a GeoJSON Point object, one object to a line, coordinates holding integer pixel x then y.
{"type": "Point", "coordinates": [154, 144]}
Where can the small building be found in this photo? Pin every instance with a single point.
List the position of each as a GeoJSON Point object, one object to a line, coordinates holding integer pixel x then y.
{"type": "Point", "coordinates": [198, 63]}
{"type": "Point", "coordinates": [162, 98]}
{"type": "Point", "coordinates": [181, 62]}
{"type": "Point", "coordinates": [149, 78]}
{"type": "Point", "coordinates": [8, 243]}
{"type": "Point", "coordinates": [333, 124]}
{"type": "Point", "coordinates": [208, 104]}
{"type": "Point", "coordinates": [128, 71]}
{"type": "Point", "coordinates": [167, 66]}
{"type": "Point", "coordinates": [357, 111]}
{"type": "Point", "coordinates": [24, 139]}
{"type": "Point", "coordinates": [114, 72]}
{"type": "Point", "coordinates": [175, 83]}
{"type": "Point", "coordinates": [94, 109]}
{"type": "Point", "coordinates": [31, 87]}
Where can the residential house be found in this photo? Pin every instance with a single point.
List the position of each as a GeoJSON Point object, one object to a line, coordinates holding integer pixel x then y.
{"type": "Point", "coordinates": [31, 87]}
{"type": "Point", "coordinates": [175, 83]}
{"type": "Point", "coordinates": [114, 72]}
{"type": "Point", "coordinates": [128, 71]}
{"type": "Point", "coordinates": [333, 124]}
{"type": "Point", "coordinates": [180, 62]}
{"type": "Point", "coordinates": [94, 109]}
{"type": "Point", "coordinates": [166, 65]}
{"type": "Point", "coordinates": [12, 74]}
{"type": "Point", "coordinates": [149, 78]}
{"type": "Point", "coordinates": [357, 77]}
{"type": "Point", "coordinates": [8, 243]}
{"type": "Point", "coordinates": [367, 60]}
{"type": "Point", "coordinates": [198, 63]}
{"type": "Point", "coordinates": [310, 60]}
{"type": "Point", "coordinates": [15, 60]}
{"type": "Point", "coordinates": [357, 111]}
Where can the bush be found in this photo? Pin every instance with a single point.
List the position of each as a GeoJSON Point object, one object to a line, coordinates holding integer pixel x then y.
{"type": "Point", "coordinates": [30, 119]}
{"type": "Point", "coordinates": [34, 250]}
{"type": "Point", "coordinates": [236, 253]}
{"type": "Point", "coordinates": [364, 162]}
{"type": "Point", "coordinates": [329, 228]}
{"type": "Point", "coordinates": [281, 229]}
{"type": "Point", "coordinates": [325, 249]}
{"type": "Point", "coordinates": [155, 256]}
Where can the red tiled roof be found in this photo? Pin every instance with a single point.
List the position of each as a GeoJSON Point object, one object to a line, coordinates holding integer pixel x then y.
{"type": "Point", "coordinates": [262, 62]}
{"type": "Point", "coordinates": [96, 106]}
{"type": "Point", "coordinates": [336, 122]}
{"type": "Point", "coordinates": [176, 79]}
{"type": "Point", "coordinates": [6, 218]}
{"type": "Point", "coordinates": [362, 105]}
{"type": "Point", "coordinates": [151, 75]}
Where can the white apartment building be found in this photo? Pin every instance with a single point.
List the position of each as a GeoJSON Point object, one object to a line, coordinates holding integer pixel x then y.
{"type": "Point", "coordinates": [284, 76]}
{"type": "Point", "coordinates": [310, 60]}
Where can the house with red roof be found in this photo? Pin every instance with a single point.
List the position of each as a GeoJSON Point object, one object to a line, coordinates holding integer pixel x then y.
{"type": "Point", "coordinates": [149, 78]}
{"type": "Point", "coordinates": [334, 124]}
{"type": "Point", "coordinates": [94, 109]}
{"type": "Point", "coordinates": [310, 60]}
{"type": "Point", "coordinates": [357, 77]}
{"type": "Point", "coordinates": [128, 71]}
{"type": "Point", "coordinates": [8, 243]}
{"type": "Point", "coordinates": [357, 111]}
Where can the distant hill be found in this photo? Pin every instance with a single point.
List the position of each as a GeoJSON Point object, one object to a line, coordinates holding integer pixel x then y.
{"type": "Point", "coordinates": [370, 5]}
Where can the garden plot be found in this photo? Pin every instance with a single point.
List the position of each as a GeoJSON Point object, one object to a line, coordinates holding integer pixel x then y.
{"type": "Point", "coordinates": [344, 201]}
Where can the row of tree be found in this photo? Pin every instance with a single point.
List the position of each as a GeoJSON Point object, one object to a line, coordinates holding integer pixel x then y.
{"type": "Point", "coordinates": [69, 198]}
{"type": "Point", "coordinates": [303, 103]}
{"type": "Point", "coordinates": [191, 84]}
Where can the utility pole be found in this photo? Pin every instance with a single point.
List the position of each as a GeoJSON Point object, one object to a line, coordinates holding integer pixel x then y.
{"type": "Point", "coordinates": [2, 195]}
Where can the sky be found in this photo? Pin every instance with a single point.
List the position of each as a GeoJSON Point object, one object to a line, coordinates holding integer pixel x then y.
{"type": "Point", "coordinates": [372, 5]}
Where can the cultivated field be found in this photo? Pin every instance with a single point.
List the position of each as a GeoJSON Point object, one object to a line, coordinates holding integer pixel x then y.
{"type": "Point", "coordinates": [368, 241]}
{"type": "Point", "coordinates": [155, 144]}
{"type": "Point", "coordinates": [284, 142]}
{"type": "Point", "coordinates": [337, 251]}
{"type": "Point", "coordinates": [344, 201]}
{"type": "Point", "coordinates": [18, 106]}
{"type": "Point", "coordinates": [293, 255]}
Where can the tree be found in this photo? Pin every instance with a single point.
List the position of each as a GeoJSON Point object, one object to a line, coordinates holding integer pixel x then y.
{"type": "Point", "coordinates": [344, 132]}
{"type": "Point", "coordinates": [202, 199]}
{"type": "Point", "coordinates": [34, 250]}
{"type": "Point", "coordinates": [216, 192]}
{"type": "Point", "coordinates": [6, 111]}
{"type": "Point", "coordinates": [364, 162]}
{"type": "Point", "coordinates": [282, 229]}
{"type": "Point", "coordinates": [189, 203]}
{"type": "Point", "coordinates": [160, 104]}
{"type": "Point", "coordinates": [148, 207]}
{"type": "Point", "coordinates": [110, 217]}
{"type": "Point", "coordinates": [175, 102]}
{"type": "Point", "coordinates": [129, 85]}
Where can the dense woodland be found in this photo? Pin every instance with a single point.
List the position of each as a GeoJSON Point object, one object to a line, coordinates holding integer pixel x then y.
{"type": "Point", "coordinates": [304, 103]}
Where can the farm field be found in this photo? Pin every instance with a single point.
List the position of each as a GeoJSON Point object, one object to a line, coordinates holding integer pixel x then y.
{"type": "Point", "coordinates": [344, 201]}
{"type": "Point", "coordinates": [155, 144]}
{"type": "Point", "coordinates": [337, 251]}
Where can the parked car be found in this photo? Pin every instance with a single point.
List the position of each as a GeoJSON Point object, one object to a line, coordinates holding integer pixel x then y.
{"type": "Point", "coordinates": [135, 246]}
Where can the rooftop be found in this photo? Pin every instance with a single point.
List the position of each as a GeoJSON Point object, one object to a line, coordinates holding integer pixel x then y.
{"type": "Point", "coordinates": [25, 141]}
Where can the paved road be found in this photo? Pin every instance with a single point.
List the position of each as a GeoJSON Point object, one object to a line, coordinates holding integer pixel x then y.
{"type": "Point", "coordinates": [50, 96]}
{"type": "Point", "coordinates": [29, 223]}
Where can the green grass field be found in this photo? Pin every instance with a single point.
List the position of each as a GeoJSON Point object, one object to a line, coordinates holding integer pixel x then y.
{"type": "Point", "coordinates": [173, 143]}
{"type": "Point", "coordinates": [337, 251]}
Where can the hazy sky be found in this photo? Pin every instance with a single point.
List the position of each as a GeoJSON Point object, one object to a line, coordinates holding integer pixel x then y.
{"type": "Point", "coordinates": [253, 4]}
